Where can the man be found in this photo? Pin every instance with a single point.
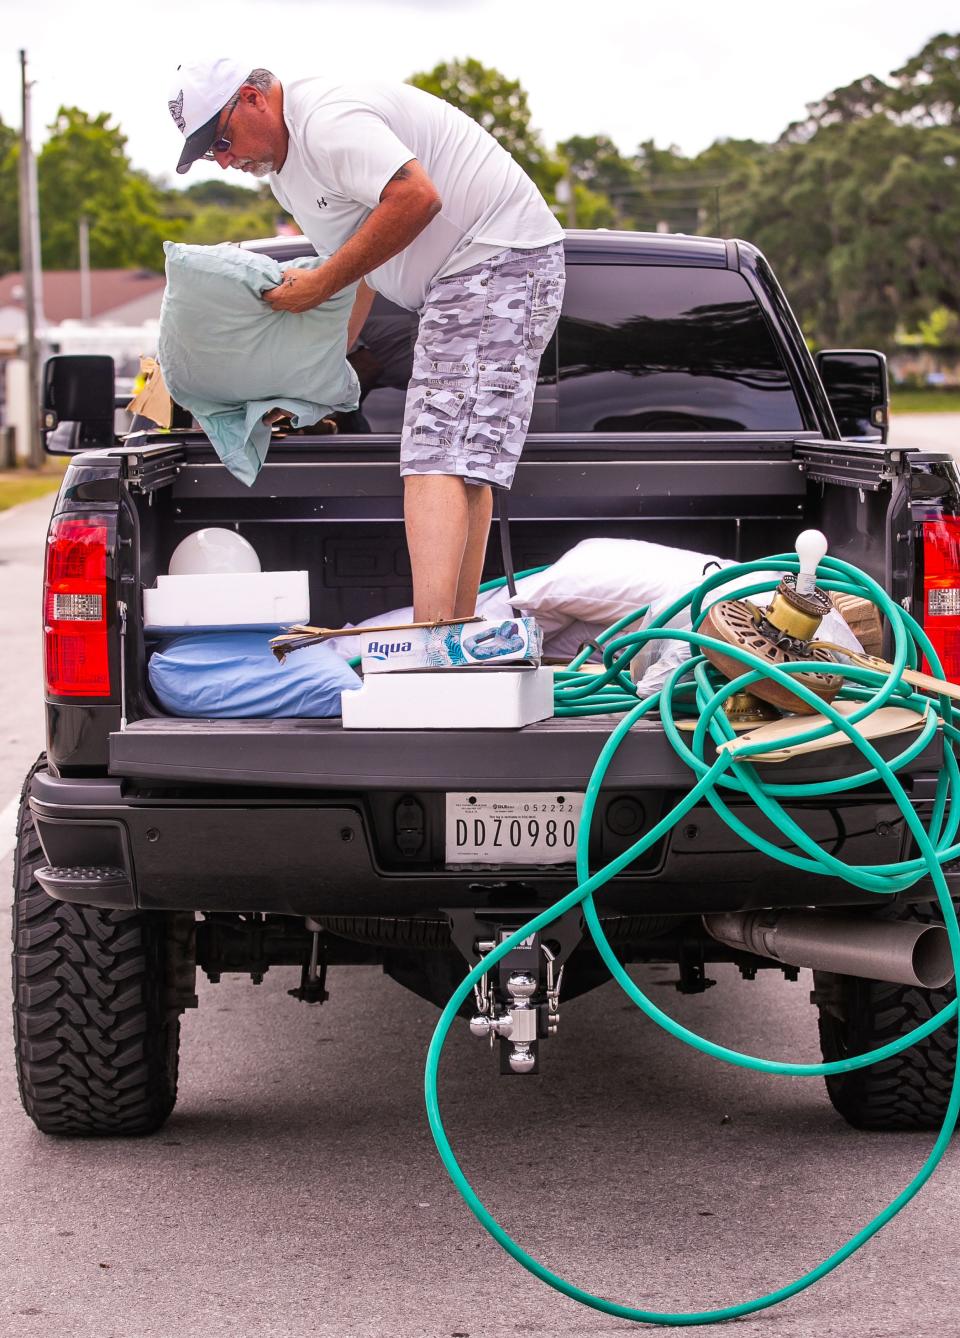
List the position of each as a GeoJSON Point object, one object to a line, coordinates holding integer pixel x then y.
{"type": "Point", "coordinates": [415, 200]}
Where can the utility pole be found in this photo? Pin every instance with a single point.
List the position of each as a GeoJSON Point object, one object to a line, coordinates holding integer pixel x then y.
{"type": "Point", "coordinates": [563, 193]}
{"type": "Point", "coordinates": [29, 267]}
{"type": "Point", "coordinates": [86, 306]}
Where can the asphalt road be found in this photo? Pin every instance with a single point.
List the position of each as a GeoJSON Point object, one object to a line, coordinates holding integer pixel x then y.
{"type": "Point", "coordinates": [295, 1190]}
{"type": "Point", "coordinates": [932, 431]}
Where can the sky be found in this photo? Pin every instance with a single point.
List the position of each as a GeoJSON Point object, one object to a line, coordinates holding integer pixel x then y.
{"type": "Point", "coordinates": [683, 74]}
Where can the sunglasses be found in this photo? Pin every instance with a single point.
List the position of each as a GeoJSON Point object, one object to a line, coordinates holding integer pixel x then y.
{"type": "Point", "coordinates": [221, 145]}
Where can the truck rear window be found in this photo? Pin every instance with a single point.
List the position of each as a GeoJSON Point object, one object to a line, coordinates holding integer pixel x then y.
{"type": "Point", "coordinates": [668, 349]}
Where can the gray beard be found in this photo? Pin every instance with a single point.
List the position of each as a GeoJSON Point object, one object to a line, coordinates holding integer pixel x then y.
{"type": "Point", "coordinates": [262, 168]}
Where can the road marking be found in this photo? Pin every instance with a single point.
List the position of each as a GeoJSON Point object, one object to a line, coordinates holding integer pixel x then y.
{"type": "Point", "coordinates": [8, 827]}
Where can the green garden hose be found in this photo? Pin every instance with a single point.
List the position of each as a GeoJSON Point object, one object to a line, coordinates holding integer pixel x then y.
{"type": "Point", "coordinates": [696, 690]}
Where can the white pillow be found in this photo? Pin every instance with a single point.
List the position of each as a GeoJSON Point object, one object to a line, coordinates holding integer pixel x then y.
{"type": "Point", "coordinates": [228, 357]}
{"type": "Point", "coordinates": [590, 587]}
{"type": "Point", "coordinates": [601, 580]}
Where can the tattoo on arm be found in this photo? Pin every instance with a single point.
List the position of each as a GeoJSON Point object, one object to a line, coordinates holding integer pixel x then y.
{"type": "Point", "coordinates": [402, 174]}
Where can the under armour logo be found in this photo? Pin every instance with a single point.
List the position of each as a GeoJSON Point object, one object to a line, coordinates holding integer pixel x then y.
{"type": "Point", "coordinates": [176, 111]}
{"type": "Point", "coordinates": [321, 203]}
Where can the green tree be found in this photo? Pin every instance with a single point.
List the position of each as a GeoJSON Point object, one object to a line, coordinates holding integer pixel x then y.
{"type": "Point", "coordinates": [213, 223]}
{"type": "Point", "coordinates": [725, 170]}
{"type": "Point", "coordinates": [651, 161]}
{"type": "Point", "coordinates": [83, 170]}
{"type": "Point", "coordinates": [940, 329]}
{"type": "Point", "coordinates": [857, 101]}
{"type": "Point", "coordinates": [209, 212]}
{"type": "Point", "coordinates": [928, 85]}
{"type": "Point", "coordinates": [498, 104]}
{"type": "Point", "coordinates": [858, 204]}
{"type": "Point", "coordinates": [597, 162]}
{"type": "Point", "coordinates": [732, 157]}
{"type": "Point", "coordinates": [605, 183]}
{"type": "Point", "coordinates": [9, 200]}
{"type": "Point", "coordinates": [661, 185]}
{"type": "Point", "coordinates": [673, 191]}
{"type": "Point", "coordinates": [223, 192]}
{"type": "Point", "coordinates": [593, 209]}
{"type": "Point", "coordinates": [860, 224]}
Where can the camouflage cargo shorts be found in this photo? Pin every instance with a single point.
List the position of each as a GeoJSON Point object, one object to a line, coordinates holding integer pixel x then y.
{"type": "Point", "coordinates": [475, 365]}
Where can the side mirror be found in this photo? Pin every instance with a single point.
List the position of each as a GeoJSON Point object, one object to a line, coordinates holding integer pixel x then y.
{"type": "Point", "coordinates": [858, 389]}
{"type": "Point", "coordinates": [78, 396]}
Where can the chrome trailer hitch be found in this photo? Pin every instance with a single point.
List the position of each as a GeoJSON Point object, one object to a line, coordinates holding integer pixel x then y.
{"type": "Point", "coordinates": [518, 1002]}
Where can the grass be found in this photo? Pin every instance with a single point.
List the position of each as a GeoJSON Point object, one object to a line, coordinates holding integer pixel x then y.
{"type": "Point", "coordinates": [925, 401]}
{"type": "Point", "coordinates": [23, 485]}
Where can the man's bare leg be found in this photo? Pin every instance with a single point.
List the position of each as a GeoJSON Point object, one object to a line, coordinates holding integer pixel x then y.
{"type": "Point", "coordinates": [436, 513]}
{"type": "Point", "coordinates": [479, 511]}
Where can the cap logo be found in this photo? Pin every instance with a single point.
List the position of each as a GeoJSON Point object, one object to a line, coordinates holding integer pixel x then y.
{"type": "Point", "coordinates": [176, 111]}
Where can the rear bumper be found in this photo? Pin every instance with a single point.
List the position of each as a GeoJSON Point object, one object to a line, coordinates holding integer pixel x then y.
{"type": "Point", "coordinates": [321, 755]}
{"type": "Point", "coordinates": [110, 842]}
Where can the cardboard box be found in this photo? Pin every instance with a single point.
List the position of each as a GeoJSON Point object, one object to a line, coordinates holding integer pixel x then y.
{"type": "Point", "coordinates": [456, 646]}
{"type": "Point", "coordinates": [153, 401]}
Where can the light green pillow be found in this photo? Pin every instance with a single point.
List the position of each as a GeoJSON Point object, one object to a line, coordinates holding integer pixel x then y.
{"type": "Point", "coordinates": [229, 358]}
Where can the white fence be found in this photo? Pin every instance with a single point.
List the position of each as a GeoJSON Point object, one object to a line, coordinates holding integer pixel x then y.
{"type": "Point", "coordinates": [124, 343]}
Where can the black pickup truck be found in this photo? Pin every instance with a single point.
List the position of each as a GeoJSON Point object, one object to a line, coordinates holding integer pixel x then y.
{"type": "Point", "coordinates": [677, 402]}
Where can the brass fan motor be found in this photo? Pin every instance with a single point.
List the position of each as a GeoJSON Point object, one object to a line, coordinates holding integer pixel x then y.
{"type": "Point", "coordinates": [779, 634]}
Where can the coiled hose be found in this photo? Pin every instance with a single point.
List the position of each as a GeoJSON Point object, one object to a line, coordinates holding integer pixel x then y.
{"type": "Point", "coordinates": [695, 689]}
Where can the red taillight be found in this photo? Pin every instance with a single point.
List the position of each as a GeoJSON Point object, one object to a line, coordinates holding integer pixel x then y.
{"type": "Point", "coordinates": [75, 608]}
{"type": "Point", "coordinates": [941, 590]}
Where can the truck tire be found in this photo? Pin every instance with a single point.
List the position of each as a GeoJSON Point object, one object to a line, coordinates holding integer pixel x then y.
{"type": "Point", "coordinates": [96, 1042]}
{"type": "Point", "coordinates": [909, 1091]}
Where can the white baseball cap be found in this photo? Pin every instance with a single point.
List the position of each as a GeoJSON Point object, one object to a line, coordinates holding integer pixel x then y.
{"type": "Point", "coordinates": [200, 91]}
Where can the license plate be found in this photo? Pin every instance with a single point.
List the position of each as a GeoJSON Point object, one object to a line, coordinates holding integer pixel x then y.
{"type": "Point", "coordinates": [536, 827]}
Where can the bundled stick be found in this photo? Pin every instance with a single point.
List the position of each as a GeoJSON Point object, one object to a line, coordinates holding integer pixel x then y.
{"type": "Point", "coordinates": [302, 634]}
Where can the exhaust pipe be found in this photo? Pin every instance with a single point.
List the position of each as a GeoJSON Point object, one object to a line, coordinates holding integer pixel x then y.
{"type": "Point", "coordinates": [894, 950]}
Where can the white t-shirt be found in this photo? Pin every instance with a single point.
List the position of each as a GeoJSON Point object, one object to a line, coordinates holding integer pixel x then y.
{"type": "Point", "coordinates": [348, 140]}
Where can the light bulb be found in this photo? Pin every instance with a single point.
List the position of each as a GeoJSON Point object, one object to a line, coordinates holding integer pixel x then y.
{"type": "Point", "coordinates": [811, 546]}
{"type": "Point", "coordinates": [213, 551]}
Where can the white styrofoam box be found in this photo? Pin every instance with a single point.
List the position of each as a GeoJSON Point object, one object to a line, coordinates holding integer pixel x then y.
{"type": "Point", "coordinates": [235, 599]}
{"type": "Point", "coordinates": [451, 699]}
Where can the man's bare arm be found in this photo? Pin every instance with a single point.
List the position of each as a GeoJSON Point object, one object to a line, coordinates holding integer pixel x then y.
{"type": "Point", "coordinates": [407, 204]}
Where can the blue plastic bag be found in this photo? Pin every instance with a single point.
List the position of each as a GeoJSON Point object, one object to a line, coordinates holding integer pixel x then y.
{"type": "Point", "coordinates": [234, 675]}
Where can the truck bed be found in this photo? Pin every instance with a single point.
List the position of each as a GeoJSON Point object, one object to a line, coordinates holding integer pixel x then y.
{"type": "Point", "coordinates": [334, 508]}
{"type": "Point", "coordinates": [303, 817]}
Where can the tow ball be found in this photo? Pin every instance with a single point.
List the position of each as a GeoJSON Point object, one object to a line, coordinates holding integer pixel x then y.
{"type": "Point", "coordinates": [521, 1022]}
{"type": "Point", "coordinates": [518, 1002]}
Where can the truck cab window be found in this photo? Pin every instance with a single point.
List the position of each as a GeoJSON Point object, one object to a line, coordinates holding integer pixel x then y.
{"type": "Point", "coordinates": [383, 361]}
{"type": "Point", "coordinates": [668, 349]}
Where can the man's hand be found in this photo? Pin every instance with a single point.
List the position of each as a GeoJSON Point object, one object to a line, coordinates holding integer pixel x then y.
{"type": "Point", "coordinates": [299, 290]}
{"type": "Point", "coordinates": [275, 416]}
